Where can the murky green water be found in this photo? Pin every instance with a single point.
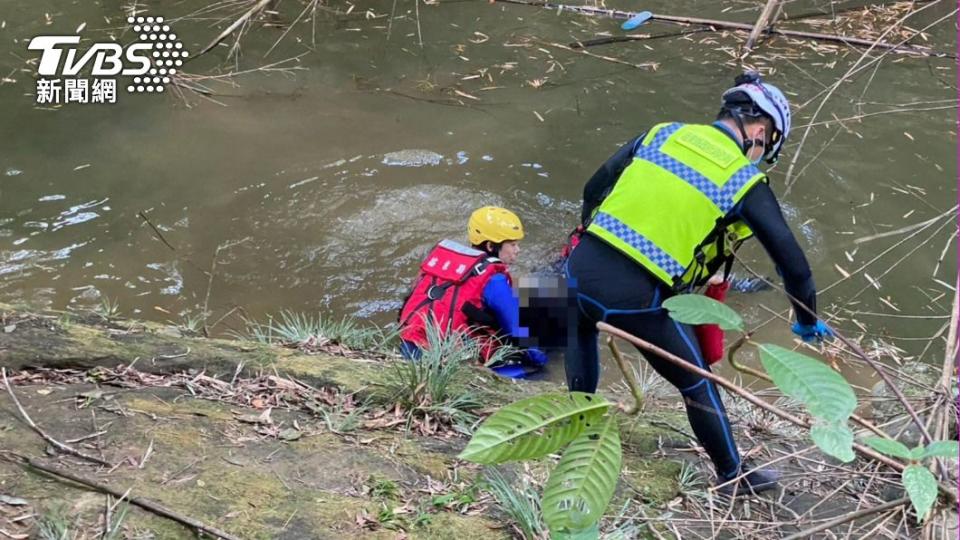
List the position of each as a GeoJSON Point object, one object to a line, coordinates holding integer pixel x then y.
{"type": "Point", "coordinates": [297, 169]}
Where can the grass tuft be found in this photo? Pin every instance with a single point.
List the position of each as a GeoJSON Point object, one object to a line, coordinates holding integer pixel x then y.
{"type": "Point", "coordinates": [107, 308]}
{"type": "Point", "coordinates": [317, 332]}
{"type": "Point", "coordinates": [520, 504]}
{"type": "Point", "coordinates": [435, 384]}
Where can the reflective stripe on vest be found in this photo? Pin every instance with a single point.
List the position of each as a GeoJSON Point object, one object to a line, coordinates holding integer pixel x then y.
{"type": "Point", "coordinates": [682, 183]}
{"type": "Point", "coordinates": [722, 197]}
{"type": "Point", "coordinates": [638, 242]}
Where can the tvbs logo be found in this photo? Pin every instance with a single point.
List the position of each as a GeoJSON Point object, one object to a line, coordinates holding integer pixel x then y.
{"type": "Point", "coordinates": [151, 61]}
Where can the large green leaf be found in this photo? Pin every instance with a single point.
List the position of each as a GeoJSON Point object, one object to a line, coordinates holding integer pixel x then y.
{"type": "Point", "coordinates": [921, 486]}
{"type": "Point", "coordinates": [888, 447]}
{"type": "Point", "coordinates": [835, 439]}
{"type": "Point", "coordinates": [699, 309]}
{"type": "Point", "coordinates": [947, 449]}
{"type": "Point", "coordinates": [590, 533]}
{"type": "Point", "coordinates": [534, 427]}
{"type": "Point", "coordinates": [824, 391]}
{"type": "Point", "coordinates": [582, 484]}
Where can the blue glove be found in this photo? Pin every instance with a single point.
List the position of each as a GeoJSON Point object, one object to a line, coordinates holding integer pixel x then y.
{"type": "Point", "coordinates": [536, 356]}
{"type": "Point", "coordinates": [811, 333]}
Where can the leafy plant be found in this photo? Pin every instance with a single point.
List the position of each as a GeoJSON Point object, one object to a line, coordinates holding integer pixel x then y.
{"type": "Point", "coordinates": [690, 480]}
{"type": "Point", "coordinates": [920, 484]}
{"type": "Point", "coordinates": [582, 483]}
{"type": "Point", "coordinates": [55, 525]}
{"type": "Point", "coordinates": [115, 530]}
{"type": "Point", "coordinates": [828, 398]}
{"type": "Point", "coordinates": [435, 384]}
{"type": "Point", "coordinates": [342, 413]}
{"type": "Point", "coordinates": [520, 503]}
{"type": "Point", "coordinates": [582, 427]}
{"type": "Point", "coordinates": [65, 320]}
{"type": "Point", "coordinates": [317, 331]}
{"type": "Point", "coordinates": [458, 500]}
{"type": "Point", "coordinates": [826, 394]}
{"type": "Point", "coordinates": [192, 322]}
{"type": "Point", "coordinates": [384, 488]}
{"type": "Point", "coordinates": [107, 308]}
{"type": "Point", "coordinates": [700, 309]}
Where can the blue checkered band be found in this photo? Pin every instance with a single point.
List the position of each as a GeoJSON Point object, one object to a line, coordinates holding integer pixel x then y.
{"type": "Point", "coordinates": [639, 242]}
{"type": "Point", "coordinates": [664, 133]}
{"type": "Point", "coordinates": [721, 196]}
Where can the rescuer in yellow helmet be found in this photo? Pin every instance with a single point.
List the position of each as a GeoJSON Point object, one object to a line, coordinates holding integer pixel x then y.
{"type": "Point", "coordinates": [469, 289]}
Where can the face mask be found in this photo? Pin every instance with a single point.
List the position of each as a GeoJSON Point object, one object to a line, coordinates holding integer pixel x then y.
{"type": "Point", "coordinates": [762, 145]}
{"type": "Point", "coordinates": [758, 160]}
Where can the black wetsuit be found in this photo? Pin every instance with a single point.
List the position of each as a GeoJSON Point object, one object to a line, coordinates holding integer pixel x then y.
{"type": "Point", "coordinates": [613, 288]}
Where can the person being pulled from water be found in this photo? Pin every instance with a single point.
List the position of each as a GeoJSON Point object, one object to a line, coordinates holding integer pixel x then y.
{"type": "Point", "coordinates": [662, 216]}
{"type": "Point", "coordinates": [469, 289]}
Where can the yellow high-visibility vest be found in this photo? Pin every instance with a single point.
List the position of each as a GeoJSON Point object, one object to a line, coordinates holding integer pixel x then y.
{"type": "Point", "coordinates": [668, 209]}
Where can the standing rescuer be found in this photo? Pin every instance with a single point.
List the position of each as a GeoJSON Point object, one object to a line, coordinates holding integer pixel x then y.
{"type": "Point", "coordinates": [469, 289]}
{"type": "Point", "coordinates": [661, 216]}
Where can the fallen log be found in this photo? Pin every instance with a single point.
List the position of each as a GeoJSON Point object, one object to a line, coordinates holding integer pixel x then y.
{"type": "Point", "coordinates": [671, 19]}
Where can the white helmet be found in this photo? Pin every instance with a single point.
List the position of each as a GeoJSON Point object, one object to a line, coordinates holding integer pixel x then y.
{"type": "Point", "coordinates": [766, 99]}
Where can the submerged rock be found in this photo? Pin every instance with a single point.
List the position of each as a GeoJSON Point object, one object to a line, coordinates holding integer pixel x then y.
{"type": "Point", "coordinates": [412, 158]}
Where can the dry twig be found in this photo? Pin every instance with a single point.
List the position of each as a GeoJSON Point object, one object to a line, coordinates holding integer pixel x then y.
{"type": "Point", "coordinates": [65, 448]}
{"type": "Point", "coordinates": [146, 504]}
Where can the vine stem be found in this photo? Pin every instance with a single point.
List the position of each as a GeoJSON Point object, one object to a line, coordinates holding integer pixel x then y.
{"type": "Point", "coordinates": [752, 398]}
{"type": "Point", "coordinates": [731, 358]}
{"type": "Point", "coordinates": [628, 377]}
{"type": "Point", "coordinates": [859, 353]}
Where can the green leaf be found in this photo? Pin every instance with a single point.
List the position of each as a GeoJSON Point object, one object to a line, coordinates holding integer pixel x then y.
{"type": "Point", "coordinates": [917, 453]}
{"type": "Point", "coordinates": [948, 449]}
{"type": "Point", "coordinates": [581, 486]}
{"type": "Point", "coordinates": [534, 427]}
{"type": "Point", "coordinates": [888, 447]}
{"type": "Point", "coordinates": [835, 439]}
{"type": "Point", "coordinates": [921, 486]}
{"type": "Point", "coordinates": [824, 391]}
{"type": "Point", "coordinates": [699, 309]}
{"type": "Point", "coordinates": [590, 533]}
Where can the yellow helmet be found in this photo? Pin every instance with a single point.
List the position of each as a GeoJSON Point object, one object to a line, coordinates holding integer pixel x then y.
{"type": "Point", "coordinates": [494, 224]}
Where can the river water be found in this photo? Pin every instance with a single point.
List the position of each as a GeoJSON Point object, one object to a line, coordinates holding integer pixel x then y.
{"type": "Point", "coordinates": [325, 185]}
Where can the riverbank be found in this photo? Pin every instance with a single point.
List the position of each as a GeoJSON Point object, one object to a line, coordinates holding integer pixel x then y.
{"type": "Point", "coordinates": [257, 440]}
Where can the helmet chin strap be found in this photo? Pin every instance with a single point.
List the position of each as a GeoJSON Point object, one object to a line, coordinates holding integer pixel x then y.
{"type": "Point", "coordinates": [748, 143]}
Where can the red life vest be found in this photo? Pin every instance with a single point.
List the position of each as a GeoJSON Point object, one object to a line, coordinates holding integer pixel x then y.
{"type": "Point", "coordinates": [451, 277]}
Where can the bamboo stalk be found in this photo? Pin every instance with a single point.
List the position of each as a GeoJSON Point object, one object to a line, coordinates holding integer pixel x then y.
{"type": "Point", "coordinates": [617, 14]}
{"type": "Point", "coordinates": [849, 517]}
{"type": "Point", "coordinates": [859, 353]}
{"type": "Point", "coordinates": [732, 359]}
{"type": "Point", "coordinates": [752, 398]}
{"type": "Point", "coordinates": [236, 24]}
{"type": "Point", "coordinates": [762, 23]}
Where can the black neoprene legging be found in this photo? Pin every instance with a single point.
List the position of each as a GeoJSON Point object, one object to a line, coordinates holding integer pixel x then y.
{"type": "Point", "coordinates": [612, 288]}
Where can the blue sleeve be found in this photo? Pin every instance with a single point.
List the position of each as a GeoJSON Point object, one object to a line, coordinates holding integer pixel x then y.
{"type": "Point", "coordinates": [498, 297]}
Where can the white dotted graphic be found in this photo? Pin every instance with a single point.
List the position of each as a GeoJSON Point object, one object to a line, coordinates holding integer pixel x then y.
{"type": "Point", "coordinates": [168, 54]}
